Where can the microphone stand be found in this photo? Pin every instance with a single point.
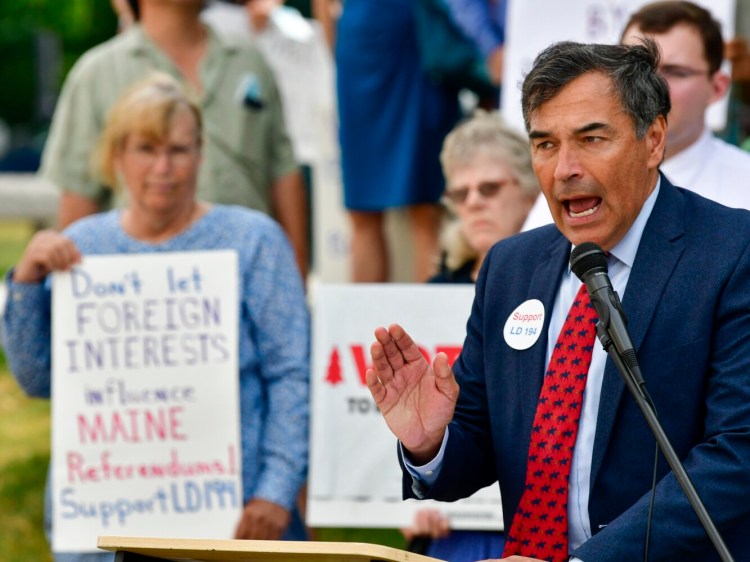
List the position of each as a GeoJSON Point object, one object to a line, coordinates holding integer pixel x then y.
{"type": "Point", "coordinates": [631, 374]}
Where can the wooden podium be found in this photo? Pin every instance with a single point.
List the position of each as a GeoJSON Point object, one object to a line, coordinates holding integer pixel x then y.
{"type": "Point", "coordinates": [135, 549]}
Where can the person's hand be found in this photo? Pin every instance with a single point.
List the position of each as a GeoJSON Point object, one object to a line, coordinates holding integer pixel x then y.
{"type": "Point", "coordinates": [495, 65]}
{"type": "Point", "coordinates": [259, 11]}
{"type": "Point", "coordinates": [262, 520]}
{"type": "Point", "coordinates": [47, 251]}
{"type": "Point", "coordinates": [417, 401]}
{"type": "Point", "coordinates": [428, 523]}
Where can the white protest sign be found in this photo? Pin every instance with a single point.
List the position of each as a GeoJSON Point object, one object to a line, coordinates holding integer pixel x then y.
{"type": "Point", "coordinates": [305, 73]}
{"type": "Point", "coordinates": [145, 413]}
{"type": "Point", "coordinates": [587, 21]}
{"type": "Point", "coordinates": [355, 479]}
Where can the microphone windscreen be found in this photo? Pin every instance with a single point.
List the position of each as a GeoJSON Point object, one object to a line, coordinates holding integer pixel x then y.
{"type": "Point", "coordinates": [586, 257]}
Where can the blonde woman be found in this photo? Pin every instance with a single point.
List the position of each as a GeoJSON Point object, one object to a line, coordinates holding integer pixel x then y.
{"type": "Point", "coordinates": [490, 188]}
{"type": "Point", "coordinates": [151, 147]}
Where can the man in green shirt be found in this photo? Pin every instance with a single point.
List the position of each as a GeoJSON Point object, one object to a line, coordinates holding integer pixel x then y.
{"type": "Point", "coordinates": [247, 156]}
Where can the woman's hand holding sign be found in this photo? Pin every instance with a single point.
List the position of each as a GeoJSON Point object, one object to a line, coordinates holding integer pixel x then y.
{"type": "Point", "coordinates": [417, 400]}
{"type": "Point", "coordinates": [47, 251]}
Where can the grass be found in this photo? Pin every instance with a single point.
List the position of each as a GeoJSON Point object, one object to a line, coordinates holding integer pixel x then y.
{"type": "Point", "coordinates": [24, 453]}
{"type": "Point", "coordinates": [387, 537]}
{"type": "Point", "coordinates": [13, 238]}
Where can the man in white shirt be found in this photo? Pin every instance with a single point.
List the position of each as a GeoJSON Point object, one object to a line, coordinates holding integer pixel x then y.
{"type": "Point", "coordinates": [692, 51]}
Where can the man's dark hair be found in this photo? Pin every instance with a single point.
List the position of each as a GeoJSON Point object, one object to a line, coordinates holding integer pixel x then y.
{"type": "Point", "coordinates": [660, 17]}
{"type": "Point", "coordinates": [643, 94]}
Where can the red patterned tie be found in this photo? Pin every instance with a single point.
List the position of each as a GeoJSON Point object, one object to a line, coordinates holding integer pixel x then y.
{"type": "Point", "coordinates": [540, 525]}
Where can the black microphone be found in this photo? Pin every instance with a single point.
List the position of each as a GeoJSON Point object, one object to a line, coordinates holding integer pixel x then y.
{"type": "Point", "coordinates": [589, 263]}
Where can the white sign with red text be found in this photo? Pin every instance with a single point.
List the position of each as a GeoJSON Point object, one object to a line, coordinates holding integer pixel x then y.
{"type": "Point", "coordinates": [145, 411]}
{"type": "Point", "coordinates": [355, 478]}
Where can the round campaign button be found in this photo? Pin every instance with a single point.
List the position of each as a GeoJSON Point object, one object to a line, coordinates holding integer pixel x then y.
{"type": "Point", "coordinates": [524, 325]}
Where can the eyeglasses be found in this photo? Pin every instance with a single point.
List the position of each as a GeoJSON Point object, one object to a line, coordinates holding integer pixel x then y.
{"type": "Point", "coordinates": [676, 72]}
{"type": "Point", "coordinates": [487, 189]}
{"type": "Point", "coordinates": [178, 154]}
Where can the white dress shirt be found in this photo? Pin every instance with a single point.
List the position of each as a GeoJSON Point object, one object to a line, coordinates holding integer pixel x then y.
{"type": "Point", "coordinates": [621, 259]}
{"type": "Point", "coordinates": [714, 169]}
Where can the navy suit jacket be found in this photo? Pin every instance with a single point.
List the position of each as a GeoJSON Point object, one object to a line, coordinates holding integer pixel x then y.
{"type": "Point", "coordinates": [688, 307]}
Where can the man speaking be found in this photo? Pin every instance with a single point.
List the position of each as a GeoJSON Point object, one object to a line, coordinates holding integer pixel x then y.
{"type": "Point", "coordinates": [533, 402]}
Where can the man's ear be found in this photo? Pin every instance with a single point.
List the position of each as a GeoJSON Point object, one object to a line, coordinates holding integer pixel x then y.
{"type": "Point", "coordinates": [656, 136]}
{"type": "Point", "coordinates": [720, 83]}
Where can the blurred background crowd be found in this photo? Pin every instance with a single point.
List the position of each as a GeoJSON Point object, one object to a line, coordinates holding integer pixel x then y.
{"type": "Point", "coordinates": [377, 158]}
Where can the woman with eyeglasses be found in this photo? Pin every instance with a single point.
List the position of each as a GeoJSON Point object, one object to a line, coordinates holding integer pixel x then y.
{"type": "Point", "coordinates": [490, 188]}
{"type": "Point", "coordinates": [151, 147]}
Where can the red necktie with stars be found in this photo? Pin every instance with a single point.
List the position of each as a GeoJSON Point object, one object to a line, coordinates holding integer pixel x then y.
{"type": "Point", "coordinates": [540, 525]}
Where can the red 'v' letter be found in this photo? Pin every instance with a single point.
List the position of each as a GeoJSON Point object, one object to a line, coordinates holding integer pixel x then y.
{"type": "Point", "coordinates": [359, 359]}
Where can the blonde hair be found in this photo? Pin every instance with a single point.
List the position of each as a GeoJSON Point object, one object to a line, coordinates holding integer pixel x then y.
{"type": "Point", "coordinates": [147, 108]}
{"type": "Point", "coordinates": [483, 133]}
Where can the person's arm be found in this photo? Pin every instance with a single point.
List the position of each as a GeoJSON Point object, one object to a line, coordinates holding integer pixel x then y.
{"type": "Point", "coordinates": [275, 300]}
{"type": "Point", "coordinates": [259, 11]}
{"type": "Point", "coordinates": [74, 132]}
{"type": "Point", "coordinates": [495, 61]}
{"type": "Point", "coordinates": [262, 520]}
{"type": "Point", "coordinates": [289, 207]}
{"type": "Point", "coordinates": [26, 319]}
{"type": "Point", "coordinates": [327, 13]}
{"type": "Point", "coordinates": [474, 19]}
{"type": "Point", "coordinates": [428, 523]}
{"type": "Point", "coordinates": [468, 447]}
{"type": "Point", "coordinates": [74, 206]}
{"type": "Point", "coordinates": [47, 251]}
{"type": "Point", "coordinates": [125, 15]}
{"type": "Point", "coordinates": [416, 399]}
{"type": "Point", "coordinates": [26, 336]}
{"type": "Point", "coordinates": [288, 196]}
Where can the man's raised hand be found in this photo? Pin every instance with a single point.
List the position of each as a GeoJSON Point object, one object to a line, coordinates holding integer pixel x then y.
{"type": "Point", "coordinates": [417, 400]}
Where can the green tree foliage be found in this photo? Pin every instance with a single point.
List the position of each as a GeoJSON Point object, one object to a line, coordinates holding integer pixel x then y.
{"type": "Point", "coordinates": [76, 24]}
